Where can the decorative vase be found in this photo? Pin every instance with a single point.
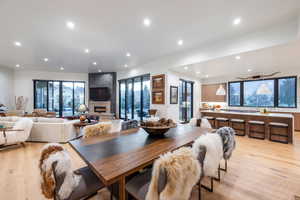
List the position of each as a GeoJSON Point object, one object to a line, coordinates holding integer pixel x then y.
{"type": "Point", "coordinates": [82, 118]}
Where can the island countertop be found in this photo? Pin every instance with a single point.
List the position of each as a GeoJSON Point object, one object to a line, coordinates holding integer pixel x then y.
{"type": "Point", "coordinates": [253, 113]}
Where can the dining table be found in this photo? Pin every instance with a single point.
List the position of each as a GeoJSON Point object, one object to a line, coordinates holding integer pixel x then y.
{"type": "Point", "coordinates": [113, 157]}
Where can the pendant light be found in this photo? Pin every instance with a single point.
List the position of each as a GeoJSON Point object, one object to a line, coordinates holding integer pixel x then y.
{"type": "Point", "coordinates": [221, 91]}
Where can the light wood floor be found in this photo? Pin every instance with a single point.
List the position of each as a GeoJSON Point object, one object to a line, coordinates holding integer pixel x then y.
{"type": "Point", "coordinates": [259, 170]}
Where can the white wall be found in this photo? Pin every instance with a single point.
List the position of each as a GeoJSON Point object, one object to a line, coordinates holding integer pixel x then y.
{"type": "Point", "coordinates": [6, 87]}
{"type": "Point", "coordinates": [172, 78]}
{"type": "Point", "coordinates": [23, 82]}
{"type": "Point", "coordinates": [299, 26]}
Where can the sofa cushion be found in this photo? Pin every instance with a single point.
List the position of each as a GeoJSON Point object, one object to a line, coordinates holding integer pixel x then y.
{"type": "Point", "coordinates": [15, 118]}
{"type": "Point", "coordinates": [4, 119]}
{"type": "Point", "coordinates": [50, 120]}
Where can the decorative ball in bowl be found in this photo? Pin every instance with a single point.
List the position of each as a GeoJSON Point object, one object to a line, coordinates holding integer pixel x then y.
{"type": "Point", "coordinates": [158, 128]}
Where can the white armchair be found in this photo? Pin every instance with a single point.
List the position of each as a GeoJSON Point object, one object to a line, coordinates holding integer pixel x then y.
{"type": "Point", "coordinates": [13, 136]}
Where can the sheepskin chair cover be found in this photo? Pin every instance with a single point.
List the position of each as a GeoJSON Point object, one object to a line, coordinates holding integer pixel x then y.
{"type": "Point", "coordinates": [13, 137]}
{"type": "Point", "coordinates": [205, 123]}
{"type": "Point", "coordinates": [214, 152]}
{"type": "Point", "coordinates": [193, 121]}
{"type": "Point", "coordinates": [183, 172]}
{"type": "Point", "coordinates": [228, 137]}
{"type": "Point", "coordinates": [56, 153]}
{"type": "Point", "coordinates": [97, 129]}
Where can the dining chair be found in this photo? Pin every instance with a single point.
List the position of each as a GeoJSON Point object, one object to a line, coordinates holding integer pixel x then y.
{"type": "Point", "coordinates": [228, 139]}
{"type": "Point", "coordinates": [208, 149]}
{"type": "Point", "coordinates": [60, 182]}
{"type": "Point", "coordinates": [168, 177]}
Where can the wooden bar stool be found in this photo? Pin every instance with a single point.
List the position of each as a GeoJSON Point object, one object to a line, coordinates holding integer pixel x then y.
{"type": "Point", "coordinates": [278, 132]}
{"type": "Point", "coordinates": [211, 120]}
{"type": "Point", "coordinates": [221, 122]}
{"type": "Point", "coordinates": [257, 129]}
{"type": "Point", "coordinates": [239, 125]}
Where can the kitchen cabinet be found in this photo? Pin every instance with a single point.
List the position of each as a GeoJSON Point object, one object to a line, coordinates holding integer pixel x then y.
{"type": "Point", "coordinates": [208, 93]}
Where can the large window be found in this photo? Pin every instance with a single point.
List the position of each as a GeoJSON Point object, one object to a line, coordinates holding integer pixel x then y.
{"type": "Point", "coordinates": [134, 97]}
{"type": "Point", "coordinates": [62, 97]}
{"type": "Point", "coordinates": [186, 100]}
{"type": "Point", "coordinates": [235, 94]}
{"type": "Point", "coordinates": [277, 92]}
{"type": "Point", "coordinates": [259, 93]}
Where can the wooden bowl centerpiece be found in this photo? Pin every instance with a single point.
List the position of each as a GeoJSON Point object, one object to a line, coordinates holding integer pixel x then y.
{"type": "Point", "coordinates": [158, 128]}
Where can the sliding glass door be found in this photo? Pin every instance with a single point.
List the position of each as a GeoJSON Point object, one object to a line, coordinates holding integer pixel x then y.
{"type": "Point", "coordinates": [53, 96]}
{"type": "Point", "coordinates": [134, 97]}
{"type": "Point", "coordinates": [62, 97]}
{"type": "Point", "coordinates": [185, 100]}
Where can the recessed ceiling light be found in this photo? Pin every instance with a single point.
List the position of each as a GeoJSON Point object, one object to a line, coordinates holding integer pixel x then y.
{"type": "Point", "coordinates": [249, 70]}
{"type": "Point", "coordinates": [125, 65]}
{"type": "Point", "coordinates": [238, 57]}
{"type": "Point", "coordinates": [17, 65]}
{"type": "Point", "coordinates": [18, 44]}
{"type": "Point", "coordinates": [186, 68]}
{"type": "Point", "coordinates": [128, 54]}
{"type": "Point", "coordinates": [237, 21]}
{"type": "Point", "coordinates": [94, 63]}
{"type": "Point", "coordinates": [206, 76]}
{"type": "Point", "coordinates": [198, 72]}
{"type": "Point", "coordinates": [87, 51]}
{"type": "Point", "coordinates": [46, 59]}
{"type": "Point", "coordinates": [99, 70]}
{"type": "Point", "coordinates": [180, 42]}
{"type": "Point", "coordinates": [62, 68]}
{"type": "Point", "coordinates": [70, 25]}
{"type": "Point", "coordinates": [147, 22]}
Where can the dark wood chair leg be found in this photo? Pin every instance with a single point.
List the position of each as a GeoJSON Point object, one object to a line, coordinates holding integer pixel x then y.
{"type": "Point", "coordinates": [199, 190]}
{"type": "Point", "coordinates": [211, 189]}
{"type": "Point", "coordinates": [219, 174]}
{"type": "Point", "coordinates": [224, 169]}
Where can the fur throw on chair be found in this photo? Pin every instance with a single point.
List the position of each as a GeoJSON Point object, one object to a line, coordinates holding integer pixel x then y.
{"type": "Point", "coordinates": [205, 123]}
{"type": "Point", "coordinates": [97, 129]}
{"type": "Point", "coordinates": [228, 137]}
{"type": "Point", "coordinates": [182, 173]}
{"type": "Point", "coordinates": [213, 145]}
{"type": "Point", "coordinates": [56, 153]}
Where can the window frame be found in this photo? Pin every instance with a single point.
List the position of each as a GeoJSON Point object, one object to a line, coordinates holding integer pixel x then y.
{"type": "Point", "coordinates": [60, 94]}
{"type": "Point", "coordinates": [131, 79]}
{"type": "Point", "coordinates": [276, 92]}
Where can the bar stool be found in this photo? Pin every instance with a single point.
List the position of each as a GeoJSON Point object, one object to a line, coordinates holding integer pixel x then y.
{"type": "Point", "coordinates": [211, 120]}
{"type": "Point", "coordinates": [239, 126]}
{"type": "Point", "coordinates": [221, 122]}
{"type": "Point", "coordinates": [257, 129]}
{"type": "Point", "coordinates": [278, 132]}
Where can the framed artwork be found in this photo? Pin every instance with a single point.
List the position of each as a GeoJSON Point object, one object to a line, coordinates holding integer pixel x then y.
{"type": "Point", "coordinates": [173, 95]}
{"type": "Point", "coordinates": [158, 82]}
{"type": "Point", "coordinates": [158, 89]}
{"type": "Point", "coordinates": [158, 97]}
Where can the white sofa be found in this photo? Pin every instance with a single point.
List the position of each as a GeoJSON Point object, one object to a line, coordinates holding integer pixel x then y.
{"type": "Point", "coordinates": [47, 129]}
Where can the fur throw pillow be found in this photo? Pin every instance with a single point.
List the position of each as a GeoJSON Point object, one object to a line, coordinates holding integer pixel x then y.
{"type": "Point", "coordinates": [97, 129]}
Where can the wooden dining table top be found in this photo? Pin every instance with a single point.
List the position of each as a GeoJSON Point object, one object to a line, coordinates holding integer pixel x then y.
{"type": "Point", "coordinates": [117, 155]}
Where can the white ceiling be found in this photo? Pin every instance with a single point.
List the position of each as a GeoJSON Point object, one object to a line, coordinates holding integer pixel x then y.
{"type": "Point", "coordinates": [281, 58]}
{"type": "Point", "coordinates": [112, 28]}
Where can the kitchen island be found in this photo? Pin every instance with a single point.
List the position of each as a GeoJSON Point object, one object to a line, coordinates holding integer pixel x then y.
{"type": "Point", "coordinates": [247, 116]}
